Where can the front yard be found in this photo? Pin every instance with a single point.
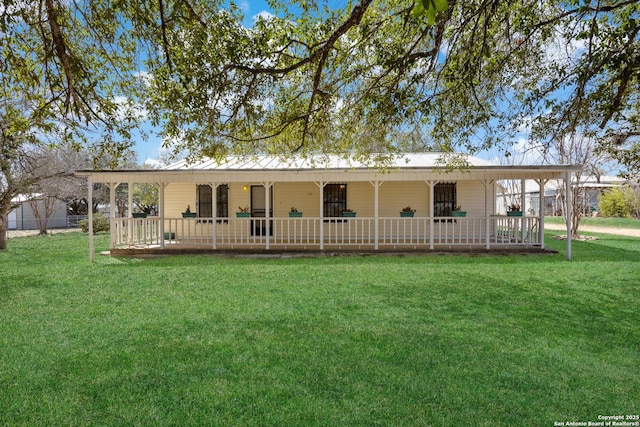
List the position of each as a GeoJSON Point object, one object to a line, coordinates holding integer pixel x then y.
{"type": "Point", "coordinates": [375, 340]}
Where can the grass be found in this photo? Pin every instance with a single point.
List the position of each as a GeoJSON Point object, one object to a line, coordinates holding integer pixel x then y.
{"type": "Point", "coordinates": [377, 340]}
{"type": "Point", "coordinates": [599, 222]}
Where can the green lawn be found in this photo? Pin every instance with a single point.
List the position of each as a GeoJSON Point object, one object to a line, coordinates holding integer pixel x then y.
{"type": "Point", "coordinates": [372, 340]}
{"type": "Point", "coordinates": [599, 222]}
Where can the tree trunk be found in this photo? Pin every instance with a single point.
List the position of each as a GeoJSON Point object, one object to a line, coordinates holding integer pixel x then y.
{"type": "Point", "coordinates": [3, 229]}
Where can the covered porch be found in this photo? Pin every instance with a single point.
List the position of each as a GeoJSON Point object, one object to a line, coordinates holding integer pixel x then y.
{"type": "Point", "coordinates": [340, 207]}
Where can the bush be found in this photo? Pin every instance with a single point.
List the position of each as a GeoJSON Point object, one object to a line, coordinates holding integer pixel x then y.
{"type": "Point", "coordinates": [100, 223]}
{"type": "Point", "coordinates": [618, 202]}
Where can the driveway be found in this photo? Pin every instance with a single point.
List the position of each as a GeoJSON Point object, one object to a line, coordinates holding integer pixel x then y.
{"type": "Point", "coordinates": [631, 232]}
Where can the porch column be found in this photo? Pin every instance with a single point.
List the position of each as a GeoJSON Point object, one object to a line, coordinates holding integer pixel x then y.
{"type": "Point", "coordinates": [488, 205]}
{"type": "Point", "coordinates": [321, 185]}
{"type": "Point", "coordinates": [431, 185]}
{"type": "Point", "coordinates": [130, 212]}
{"type": "Point", "coordinates": [267, 215]}
{"type": "Point", "coordinates": [161, 187]}
{"type": "Point", "coordinates": [112, 213]}
{"type": "Point", "coordinates": [523, 206]}
{"type": "Point", "coordinates": [214, 212]}
{"type": "Point", "coordinates": [92, 255]}
{"type": "Point", "coordinates": [568, 211]}
{"type": "Point", "coordinates": [376, 186]}
{"type": "Point", "coordinates": [541, 184]}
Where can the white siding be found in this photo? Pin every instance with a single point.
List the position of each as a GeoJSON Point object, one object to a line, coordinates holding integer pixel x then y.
{"type": "Point", "coordinates": [471, 197]}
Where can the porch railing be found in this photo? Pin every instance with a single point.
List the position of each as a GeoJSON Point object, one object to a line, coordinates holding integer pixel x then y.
{"type": "Point", "coordinates": [310, 232]}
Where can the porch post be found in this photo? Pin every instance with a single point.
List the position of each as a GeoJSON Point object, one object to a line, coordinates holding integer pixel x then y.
{"type": "Point", "coordinates": [92, 255]}
{"type": "Point", "coordinates": [161, 187]}
{"type": "Point", "coordinates": [267, 205]}
{"type": "Point", "coordinates": [431, 184]}
{"type": "Point", "coordinates": [568, 202]}
{"type": "Point", "coordinates": [321, 185]}
{"type": "Point", "coordinates": [523, 206]}
{"type": "Point", "coordinates": [541, 184]}
{"type": "Point", "coordinates": [112, 213]}
{"type": "Point", "coordinates": [376, 186]}
{"type": "Point", "coordinates": [214, 212]}
{"type": "Point", "coordinates": [487, 211]}
{"type": "Point", "coordinates": [130, 212]}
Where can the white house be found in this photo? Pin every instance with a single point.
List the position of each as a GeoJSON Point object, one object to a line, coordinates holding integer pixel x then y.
{"type": "Point", "coordinates": [341, 204]}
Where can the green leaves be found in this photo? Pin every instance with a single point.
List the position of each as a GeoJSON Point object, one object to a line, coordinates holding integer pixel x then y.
{"type": "Point", "coordinates": [428, 9]}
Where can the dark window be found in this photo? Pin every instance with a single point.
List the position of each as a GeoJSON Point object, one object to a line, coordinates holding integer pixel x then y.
{"type": "Point", "coordinates": [334, 200]}
{"type": "Point", "coordinates": [222, 201]}
{"type": "Point", "coordinates": [444, 199]}
{"type": "Point", "coordinates": [204, 201]}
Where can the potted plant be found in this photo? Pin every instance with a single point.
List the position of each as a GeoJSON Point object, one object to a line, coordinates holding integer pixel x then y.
{"type": "Point", "coordinates": [514, 210]}
{"type": "Point", "coordinates": [139, 214]}
{"type": "Point", "coordinates": [293, 213]}
{"type": "Point", "coordinates": [407, 212]}
{"type": "Point", "coordinates": [348, 213]}
{"type": "Point", "coordinates": [458, 212]}
{"type": "Point", "coordinates": [243, 212]}
{"type": "Point", "coordinates": [187, 213]}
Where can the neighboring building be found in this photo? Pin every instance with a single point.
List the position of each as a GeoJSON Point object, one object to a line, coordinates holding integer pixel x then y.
{"type": "Point", "coordinates": [590, 189]}
{"type": "Point", "coordinates": [323, 190]}
{"type": "Point", "coordinates": [23, 217]}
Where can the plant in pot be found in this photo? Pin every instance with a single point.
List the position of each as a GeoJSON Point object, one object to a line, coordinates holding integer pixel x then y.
{"type": "Point", "coordinates": [514, 210]}
{"type": "Point", "coordinates": [293, 213]}
{"type": "Point", "coordinates": [458, 212]}
{"type": "Point", "coordinates": [139, 214]}
{"type": "Point", "coordinates": [348, 213]}
{"type": "Point", "coordinates": [407, 212]}
{"type": "Point", "coordinates": [187, 213]}
{"type": "Point", "coordinates": [243, 212]}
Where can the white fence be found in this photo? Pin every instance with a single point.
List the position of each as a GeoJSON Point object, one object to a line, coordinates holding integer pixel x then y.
{"type": "Point", "coordinates": [318, 233]}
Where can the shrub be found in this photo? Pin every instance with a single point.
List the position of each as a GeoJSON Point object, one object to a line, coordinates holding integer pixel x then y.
{"type": "Point", "coordinates": [618, 202]}
{"type": "Point", "coordinates": [100, 223]}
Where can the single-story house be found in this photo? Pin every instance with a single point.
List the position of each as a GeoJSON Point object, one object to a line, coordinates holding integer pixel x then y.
{"type": "Point", "coordinates": [416, 202]}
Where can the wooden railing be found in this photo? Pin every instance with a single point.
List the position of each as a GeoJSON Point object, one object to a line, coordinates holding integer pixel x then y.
{"type": "Point", "coordinates": [319, 233]}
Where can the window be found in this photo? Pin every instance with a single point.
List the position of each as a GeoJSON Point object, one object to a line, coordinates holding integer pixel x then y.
{"type": "Point", "coordinates": [444, 199]}
{"type": "Point", "coordinates": [334, 200]}
{"type": "Point", "coordinates": [222, 201]}
{"type": "Point", "coordinates": [205, 201]}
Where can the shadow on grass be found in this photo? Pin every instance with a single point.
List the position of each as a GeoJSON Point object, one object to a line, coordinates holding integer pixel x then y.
{"type": "Point", "coordinates": [608, 248]}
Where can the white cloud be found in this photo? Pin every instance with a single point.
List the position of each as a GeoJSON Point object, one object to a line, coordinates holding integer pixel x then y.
{"type": "Point", "coordinates": [264, 15]}
{"type": "Point", "coordinates": [128, 108]}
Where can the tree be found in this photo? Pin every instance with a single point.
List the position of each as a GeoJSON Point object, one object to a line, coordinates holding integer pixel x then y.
{"type": "Point", "coordinates": [63, 70]}
{"type": "Point", "coordinates": [298, 82]}
{"type": "Point", "coordinates": [578, 149]}
{"type": "Point", "coordinates": [620, 202]}
{"type": "Point", "coordinates": [52, 180]}
{"type": "Point", "coordinates": [310, 78]}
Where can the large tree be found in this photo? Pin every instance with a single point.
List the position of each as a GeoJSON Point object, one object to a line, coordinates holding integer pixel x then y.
{"type": "Point", "coordinates": [316, 78]}
{"type": "Point", "coordinates": [312, 78]}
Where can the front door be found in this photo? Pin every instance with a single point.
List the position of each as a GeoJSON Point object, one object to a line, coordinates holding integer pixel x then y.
{"type": "Point", "coordinates": [259, 210]}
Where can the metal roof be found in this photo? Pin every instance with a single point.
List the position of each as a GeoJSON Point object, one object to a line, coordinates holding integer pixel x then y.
{"type": "Point", "coordinates": [403, 167]}
{"type": "Point", "coordinates": [330, 161]}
